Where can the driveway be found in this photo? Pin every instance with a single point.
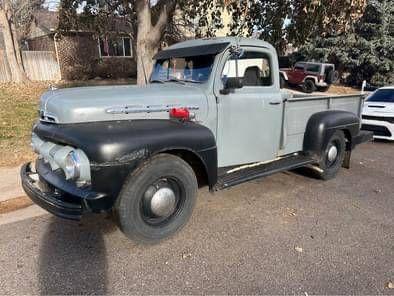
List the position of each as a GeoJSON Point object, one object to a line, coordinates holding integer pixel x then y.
{"type": "Point", "coordinates": [287, 233]}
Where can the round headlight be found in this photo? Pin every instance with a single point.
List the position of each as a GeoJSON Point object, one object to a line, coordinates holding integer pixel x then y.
{"type": "Point", "coordinates": [72, 166]}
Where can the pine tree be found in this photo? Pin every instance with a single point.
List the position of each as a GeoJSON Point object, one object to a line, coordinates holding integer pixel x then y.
{"type": "Point", "coordinates": [365, 52]}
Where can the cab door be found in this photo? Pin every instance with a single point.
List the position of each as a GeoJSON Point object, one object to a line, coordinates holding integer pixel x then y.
{"type": "Point", "coordinates": [249, 118]}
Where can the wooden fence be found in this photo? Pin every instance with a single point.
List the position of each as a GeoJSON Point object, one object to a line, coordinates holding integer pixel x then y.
{"type": "Point", "coordinates": [39, 66]}
{"type": "Point", "coordinates": [4, 68]}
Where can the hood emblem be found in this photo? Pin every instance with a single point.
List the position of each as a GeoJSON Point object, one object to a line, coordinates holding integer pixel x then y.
{"type": "Point", "coordinates": [146, 109]}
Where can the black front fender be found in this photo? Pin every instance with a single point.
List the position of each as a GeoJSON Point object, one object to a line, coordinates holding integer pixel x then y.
{"type": "Point", "coordinates": [322, 125]}
{"type": "Point", "coordinates": [115, 148]}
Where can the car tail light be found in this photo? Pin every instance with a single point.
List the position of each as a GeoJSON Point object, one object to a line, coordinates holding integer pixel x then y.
{"type": "Point", "coordinates": [180, 113]}
{"type": "Point", "coordinates": [320, 77]}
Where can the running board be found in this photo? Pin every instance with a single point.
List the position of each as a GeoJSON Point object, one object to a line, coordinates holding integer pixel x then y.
{"type": "Point", "coordinates": [254, 171]}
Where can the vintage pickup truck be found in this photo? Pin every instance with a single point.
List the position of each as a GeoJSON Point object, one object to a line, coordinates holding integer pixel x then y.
{"type": "Point", "coordinates": [212, 114]}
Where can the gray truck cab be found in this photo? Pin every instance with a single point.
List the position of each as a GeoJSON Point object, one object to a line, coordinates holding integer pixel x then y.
{"type": "Point", "coordinates": [212, 114]}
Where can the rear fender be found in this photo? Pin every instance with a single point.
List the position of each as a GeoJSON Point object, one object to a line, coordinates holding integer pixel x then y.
{"type": "Point", "coordinates": [322, 125]}
{"type": "Point", "coordinates": [314, 78]}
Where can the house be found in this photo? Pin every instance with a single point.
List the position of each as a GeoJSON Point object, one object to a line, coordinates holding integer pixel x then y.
{"type": "Point", "coordinates": [83, 54]}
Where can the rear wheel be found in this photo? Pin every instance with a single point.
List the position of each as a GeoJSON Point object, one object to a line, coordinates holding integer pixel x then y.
{"type": "Point", "coordinates": [333, 156]}
{"type": "Point", "coordinates": [323, 88]}
{"type": "Point", "coordinates": [157, 199]}
{"type": "Point", "coordinates": [309, 86]}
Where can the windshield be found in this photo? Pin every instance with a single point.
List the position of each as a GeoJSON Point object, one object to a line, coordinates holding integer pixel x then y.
{"type": "Point", "coordinates": [382, 95]}
{"type": "Point", "coordinates": [190, 69]}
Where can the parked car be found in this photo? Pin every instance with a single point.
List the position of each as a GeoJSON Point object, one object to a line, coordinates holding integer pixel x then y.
{"type": "Point", "coordinates": [212, 114]}
{"type": "Point", "coordinates": [309, 76]}
{"type": "Point", "coordinates": [378, 113]}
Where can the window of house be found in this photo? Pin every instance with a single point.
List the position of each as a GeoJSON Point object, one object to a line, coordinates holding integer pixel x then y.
{"type": "Point", "coordinates": [253, 67]}
{"type": "Point", "coordinates": [115, 47]}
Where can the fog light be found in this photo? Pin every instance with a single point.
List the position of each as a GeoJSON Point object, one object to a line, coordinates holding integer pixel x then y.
{"type": "Point", "coordinates": [72, 166]}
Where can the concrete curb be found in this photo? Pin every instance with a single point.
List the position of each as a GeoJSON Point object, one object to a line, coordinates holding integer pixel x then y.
{"type": "Point", "coordinates": [22, 214]}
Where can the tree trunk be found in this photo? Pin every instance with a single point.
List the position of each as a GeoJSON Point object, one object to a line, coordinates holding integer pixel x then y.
{"type": "Point", "coordinates": [17, 46]}
{"type": "Point", "coordinates": [17, 72]}
{"type": "Point", "coordinates": [145, 53]}
{"type": "Point", "coordinates": [148, 38]}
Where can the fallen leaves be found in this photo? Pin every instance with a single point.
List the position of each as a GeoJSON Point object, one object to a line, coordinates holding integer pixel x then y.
{"type": "Point", "coordinates": [289, 212]}
{"type": "Point", "coordinates": [186, 255]}
{"type": "Point", "coordinates": [298, 249]}
{"type": "Point", "coordinates": [14, 204]}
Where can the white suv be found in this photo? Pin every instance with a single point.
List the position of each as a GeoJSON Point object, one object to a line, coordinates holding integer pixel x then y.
{"type": "Point", "coordinates": [378, 113]}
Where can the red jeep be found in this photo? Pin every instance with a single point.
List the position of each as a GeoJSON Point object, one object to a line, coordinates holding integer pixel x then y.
{"type": "Point", "coordinates": [310, 76]}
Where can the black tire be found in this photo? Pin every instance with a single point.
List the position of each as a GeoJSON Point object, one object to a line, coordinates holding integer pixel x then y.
{"type": "Point", "coordinates": [331, 77]}
{"type": "Point", "coordinates": [308, 86]}
{"type": "Point", "coordinates": [330, 167]}
{"type": "Point", "coordinates": [133, 210]}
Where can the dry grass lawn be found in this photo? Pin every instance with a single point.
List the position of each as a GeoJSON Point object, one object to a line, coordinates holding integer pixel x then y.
{"type": "Point", "coordinates": [19, 105]}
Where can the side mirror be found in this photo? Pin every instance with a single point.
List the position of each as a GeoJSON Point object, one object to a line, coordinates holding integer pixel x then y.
{"type": "Point", "coordinates": [231, 84]}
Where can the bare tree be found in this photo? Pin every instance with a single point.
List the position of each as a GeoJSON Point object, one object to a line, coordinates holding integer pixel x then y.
{"type": "Point", "coordinates": [149, 34]}
{"type": "Point", "coordinates": [15, 18]}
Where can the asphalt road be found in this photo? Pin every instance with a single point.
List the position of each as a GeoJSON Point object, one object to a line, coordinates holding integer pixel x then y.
{"type": "Point", "coordinates": [287, 233]}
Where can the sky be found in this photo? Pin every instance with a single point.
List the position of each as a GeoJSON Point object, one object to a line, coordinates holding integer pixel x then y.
{"type": "Point", "coordinates": [51, 4]}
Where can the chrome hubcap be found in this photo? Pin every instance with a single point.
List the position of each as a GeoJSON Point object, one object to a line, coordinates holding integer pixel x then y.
{"type": "Point", "coordinates": [162, 201]}
{"type": "Point", "coordinates": [332, 153]}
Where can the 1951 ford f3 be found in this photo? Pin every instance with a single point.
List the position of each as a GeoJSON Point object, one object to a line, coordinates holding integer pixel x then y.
{"type": "Point", "coordinates": [212, 114]}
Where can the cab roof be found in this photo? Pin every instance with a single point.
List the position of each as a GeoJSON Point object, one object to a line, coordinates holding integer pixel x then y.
{"type": "Point", "coordinates": [209, 46]}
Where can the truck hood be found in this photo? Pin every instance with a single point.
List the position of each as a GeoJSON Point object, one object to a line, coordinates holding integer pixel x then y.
{"type": "Point", "coordinates": [105, 103]}
{"type": "Point", "coordinates": [378, 108]}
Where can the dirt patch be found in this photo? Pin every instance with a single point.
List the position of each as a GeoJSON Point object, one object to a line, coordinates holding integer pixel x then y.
{"type": "Point", "coordinates": [343, 90]}
{"type": "Point", "coordinates": [14, 204]}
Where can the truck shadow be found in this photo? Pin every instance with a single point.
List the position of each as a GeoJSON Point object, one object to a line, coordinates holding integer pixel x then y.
{"type": "Point", "coordinates": [306, 172]}
{"type": "Point", "coordinates": [72, 259]}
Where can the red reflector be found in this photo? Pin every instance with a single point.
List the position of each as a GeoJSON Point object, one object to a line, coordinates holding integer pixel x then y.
{"type": "Point", "coordinates": [180, 113]}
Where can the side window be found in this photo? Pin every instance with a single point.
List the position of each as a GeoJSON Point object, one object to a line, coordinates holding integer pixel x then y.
{"type": "Point", "coordinates": [299, 67]}
{"type": "Point", "coordinates": [254, 68]}
{"type": "Point", "coordinates": [313, 68]}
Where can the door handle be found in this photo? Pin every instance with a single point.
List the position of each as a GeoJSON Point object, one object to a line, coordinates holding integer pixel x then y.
{"type": "Point", "coordinates": [275, 102]}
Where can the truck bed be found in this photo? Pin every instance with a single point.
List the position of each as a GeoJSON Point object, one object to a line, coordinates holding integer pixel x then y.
{"type": "Point", "coordinates": [298, 109]}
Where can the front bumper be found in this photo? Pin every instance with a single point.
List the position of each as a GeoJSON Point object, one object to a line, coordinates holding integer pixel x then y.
{"type": "Point", "coordinates": [380, 128]}
{"type": "Point", "coordinates": [54, 193]}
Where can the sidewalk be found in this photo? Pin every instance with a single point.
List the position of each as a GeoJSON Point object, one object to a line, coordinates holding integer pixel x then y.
{"type": "Point", "coordinates": [10, 185]}
{"type": "Point", "coordinates": [12, 196]}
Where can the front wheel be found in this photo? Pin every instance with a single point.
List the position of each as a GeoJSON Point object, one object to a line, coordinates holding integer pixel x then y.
{"type": "Point", "coordinates": [157, 199]}
{"type": "Point", "coordinates": [333, 156]}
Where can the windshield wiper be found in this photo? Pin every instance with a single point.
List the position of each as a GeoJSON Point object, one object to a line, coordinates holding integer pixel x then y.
{"type": "Point", "coordinates": [192, 81]}
{"type": "Point", "coordinates": [156, 81]}
{"type": "Point", "coordinates": [181, 81]}
{"type": "Point", "coordinates": [176, 80]}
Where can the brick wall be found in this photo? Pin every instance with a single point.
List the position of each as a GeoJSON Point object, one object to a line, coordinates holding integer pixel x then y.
{"type": "Point", "coordinates": [79, 59]}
